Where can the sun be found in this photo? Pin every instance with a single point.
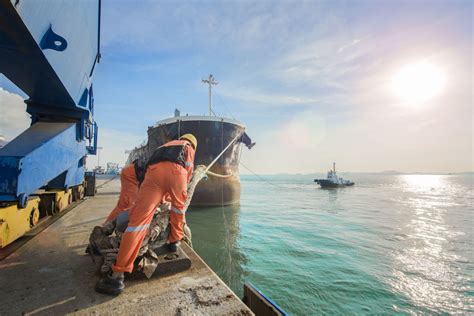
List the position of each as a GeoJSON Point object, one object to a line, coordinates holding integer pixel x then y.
{"type": "Point", "coordinates": [418, 82]}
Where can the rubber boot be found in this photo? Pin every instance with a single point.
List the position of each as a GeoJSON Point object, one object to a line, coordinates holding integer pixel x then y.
{"type": "Point", "coordinates": [110, 286]}
{"type": "Point", "coordinates": [173, 246]}
{"type": "Point", "coordinates": [173, 250]}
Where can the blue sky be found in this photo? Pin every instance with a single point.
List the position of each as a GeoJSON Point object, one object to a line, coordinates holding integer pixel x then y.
{"type": "Point", "coordinates": [309, 79]}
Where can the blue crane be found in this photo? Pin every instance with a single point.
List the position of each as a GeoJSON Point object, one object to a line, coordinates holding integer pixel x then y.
{"type": "Point", "coordinates": [49, 49]}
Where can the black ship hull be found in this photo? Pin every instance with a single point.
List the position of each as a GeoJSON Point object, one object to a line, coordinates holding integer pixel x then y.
{"type": "Point", "coordinates": [213, 134]}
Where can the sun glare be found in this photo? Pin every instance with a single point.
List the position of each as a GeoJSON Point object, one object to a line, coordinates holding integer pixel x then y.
{"type": "Point", "coordinates": [418, 82]}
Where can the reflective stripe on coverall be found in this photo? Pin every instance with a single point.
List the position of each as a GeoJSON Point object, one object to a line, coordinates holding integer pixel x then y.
{"type": "Point", "coordinates": [128, 192]}
{"type": "Point", "coordinates": [160, 178]}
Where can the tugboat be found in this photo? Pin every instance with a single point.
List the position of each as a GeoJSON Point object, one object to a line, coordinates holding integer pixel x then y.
{"type": "Point", "coordinates": [333, 181]}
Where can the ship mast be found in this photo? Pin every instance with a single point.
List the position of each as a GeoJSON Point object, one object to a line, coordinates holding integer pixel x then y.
{"type": "Point", "coordinates": [211, 82]}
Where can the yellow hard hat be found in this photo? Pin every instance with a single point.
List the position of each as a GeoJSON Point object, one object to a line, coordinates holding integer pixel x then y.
{"type": "Point", "coordinates": [190, 138]}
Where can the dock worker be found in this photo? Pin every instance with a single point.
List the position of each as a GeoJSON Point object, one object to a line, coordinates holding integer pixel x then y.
{"type": "Point", "coordinates": [131, 178]}
{"type": "Point", "coordinates": [169, 170]}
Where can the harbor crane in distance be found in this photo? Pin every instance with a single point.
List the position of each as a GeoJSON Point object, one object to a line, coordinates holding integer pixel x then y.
{"type": "Point", "coordinates": [49, 49]}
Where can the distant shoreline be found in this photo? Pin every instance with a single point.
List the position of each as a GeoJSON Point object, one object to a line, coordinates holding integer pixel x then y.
{"type": "Point", "coordinates": [389, 173]}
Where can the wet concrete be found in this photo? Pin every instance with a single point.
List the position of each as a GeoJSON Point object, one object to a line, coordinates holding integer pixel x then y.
{"type": "Point", "coordinates": [51, 274]}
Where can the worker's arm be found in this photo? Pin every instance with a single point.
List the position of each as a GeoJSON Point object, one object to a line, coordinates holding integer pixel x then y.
{"type": "Point", "coordinates": [189, 163]}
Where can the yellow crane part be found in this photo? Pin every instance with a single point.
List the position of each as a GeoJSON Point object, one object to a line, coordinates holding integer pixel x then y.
{"type": "Point", "coordinates": [54, 201]}
{"type": "Point", "coordinates": [63, 199]}
{"type": "Point", "coordinates": [15, 222]}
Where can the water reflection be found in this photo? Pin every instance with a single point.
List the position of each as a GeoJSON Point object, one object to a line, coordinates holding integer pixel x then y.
{"type": "Point", "coordinates": [421, 183]}
{"type": "Point", "coordinates": [216, 235]}
{"type": "Point", "coordinates": [424, 270]}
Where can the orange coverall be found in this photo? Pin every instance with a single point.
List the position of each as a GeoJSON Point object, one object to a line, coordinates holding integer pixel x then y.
{"type": "Point", "coordinates": [160, 178]}
{"type": "Point", "coordinates": [128, 192]}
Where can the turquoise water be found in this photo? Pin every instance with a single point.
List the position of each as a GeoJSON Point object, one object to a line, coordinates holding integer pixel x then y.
{"type": "Point", "coordinates": [390, 244]}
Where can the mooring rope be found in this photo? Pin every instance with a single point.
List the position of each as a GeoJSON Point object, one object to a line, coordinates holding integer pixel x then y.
{"type": "Point", "coordinates": [109, 254]}
{"type": "Point", "coordinates": [201, 171]}
{"type": "Point", "coordinates": [225, 149]}
{"type": "Point", "coordinates": [261, 178]}
{"type": "Point", "coordinates": [217, 175]}
{"type": "Point", "coordinates": [227, 241]}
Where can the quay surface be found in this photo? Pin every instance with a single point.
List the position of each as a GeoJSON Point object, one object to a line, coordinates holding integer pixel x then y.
{"type": "Point", "coordinates": [52, 275]}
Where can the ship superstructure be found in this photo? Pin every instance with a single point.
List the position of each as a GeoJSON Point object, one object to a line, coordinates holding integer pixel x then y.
{"type": "Point", "coordinates": [214, 134]}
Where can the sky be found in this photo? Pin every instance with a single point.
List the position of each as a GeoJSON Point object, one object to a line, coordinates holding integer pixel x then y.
{"type": "Point", "coordinates": [313, 81]}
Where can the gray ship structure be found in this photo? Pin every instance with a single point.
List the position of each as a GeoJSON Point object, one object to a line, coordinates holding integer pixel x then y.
{"type": "Point", "coordinates": [214, 134]}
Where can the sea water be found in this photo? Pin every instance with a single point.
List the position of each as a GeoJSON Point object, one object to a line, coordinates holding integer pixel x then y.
{"type": "Point", "coordinates": [390, 244]}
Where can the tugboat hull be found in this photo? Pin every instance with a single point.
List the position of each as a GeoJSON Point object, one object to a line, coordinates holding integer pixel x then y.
{"type": "Point", "coordinates": [328, 184]}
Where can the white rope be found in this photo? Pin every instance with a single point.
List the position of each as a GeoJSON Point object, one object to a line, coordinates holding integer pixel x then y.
{"type": "Point", "coordinates": [217, 175]}
{"type": "Point", "coordinates": [227, 264]}
{"type": "Point", "coordinates": [225, 149]}
{"type": "Point", "coordinates": [261, 178]}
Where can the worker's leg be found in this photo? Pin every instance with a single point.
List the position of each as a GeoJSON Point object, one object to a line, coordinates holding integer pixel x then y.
{"type": "Point", "coordinates": [121, 221]}
{"type": "Point", "coordinates": [128, 192]}
{"type": "Point", "coordinates": [178, 194]}
{"type": "Point", "coordinates": [128, 195]}
{"type": "Point", "coordinates": [119, 207]}
{"type": "Point", "coordinates": [140, 216]}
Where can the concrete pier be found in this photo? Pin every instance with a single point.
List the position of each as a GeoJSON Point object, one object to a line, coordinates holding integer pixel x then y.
{"type": "Point", "coordinates": [52, 275]}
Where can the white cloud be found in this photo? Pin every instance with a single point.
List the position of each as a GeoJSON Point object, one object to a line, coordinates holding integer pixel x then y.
{"type": "Point", "coordinates": [231, 26]}
{"type": "Point", "coordinates": [322, 59]}
{"type": "Point", "coordinates": [13, 117]}
{"type": "Point", "coordinates": [265, 98]}
{"type": "Point", "coordinates": [293, 147]}
{"type": "Point", "coordinates": [114, 143]}
{"type": "Point", "coordinates": [326, 63]}
{"type": "Point", "coordinates": [311, 72]}
{"type": "Point", "coordinates": [303, 132]}
{"type": "Point", "coordinates": [14, 120]}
